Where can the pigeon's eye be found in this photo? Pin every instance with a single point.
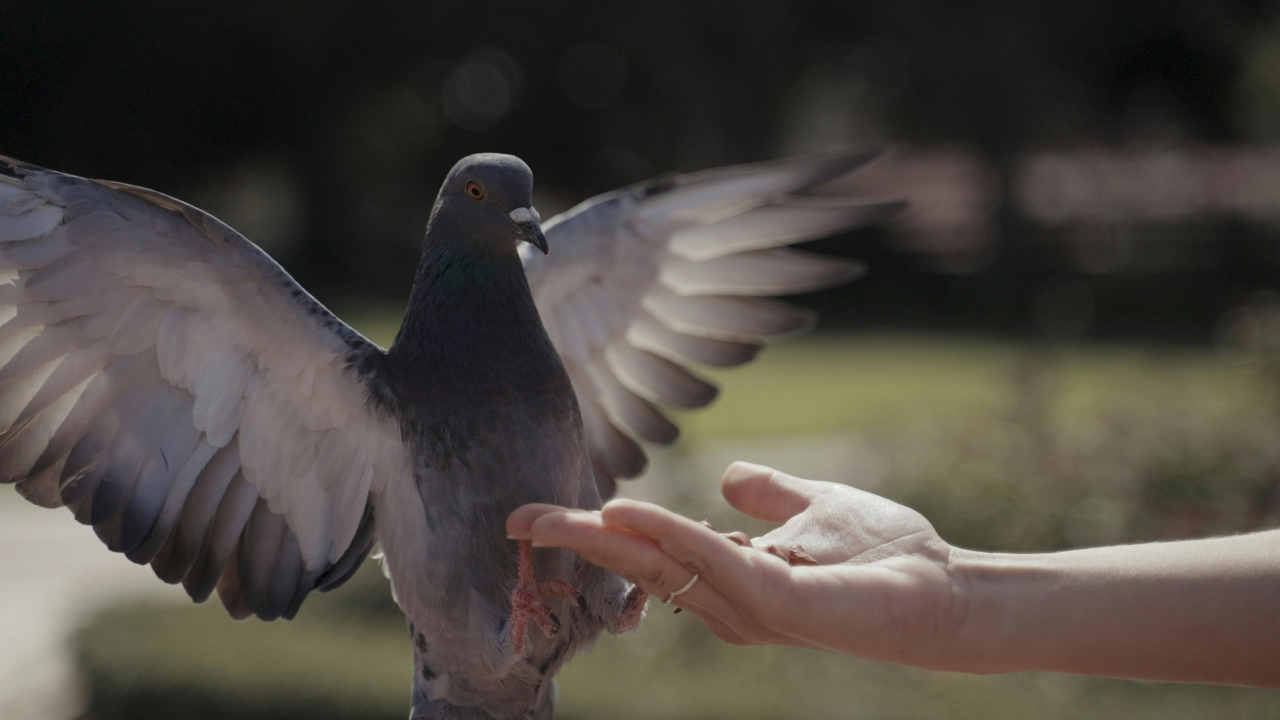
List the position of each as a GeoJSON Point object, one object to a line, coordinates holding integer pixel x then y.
{"type": "Point", "coordinates": [474, 190]}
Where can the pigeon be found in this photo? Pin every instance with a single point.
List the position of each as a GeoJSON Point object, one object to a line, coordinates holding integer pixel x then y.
{"type": "Point", "coordinates": [173, 387]}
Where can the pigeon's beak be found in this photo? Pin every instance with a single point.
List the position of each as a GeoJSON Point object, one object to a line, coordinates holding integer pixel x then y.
{"type": "Point", "coordinates": [531, 225]}
{"type": "Point", "coordinates": [533, 235]}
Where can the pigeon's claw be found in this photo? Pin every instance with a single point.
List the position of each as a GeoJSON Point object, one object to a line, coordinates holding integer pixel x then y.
{"type": "Point", "coordinates": [561, 588]}
{"type": "Point", "coordinates": [527, 603]}
{"type": "Point", "coordinates": [530, 606]}
{"type": "Point", "coordinates": [632, 611]}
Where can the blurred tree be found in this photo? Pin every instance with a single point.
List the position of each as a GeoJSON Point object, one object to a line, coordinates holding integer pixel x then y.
{"type": "Point", "coordinates": [357, 108]}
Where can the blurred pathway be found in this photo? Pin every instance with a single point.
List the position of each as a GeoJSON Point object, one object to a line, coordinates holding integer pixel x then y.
{"type": "Point", "coordinates": [53, 571]}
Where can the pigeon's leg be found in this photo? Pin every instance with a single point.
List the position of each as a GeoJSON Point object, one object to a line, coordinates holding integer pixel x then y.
{"type": "Point", "coordinates": [527, 604]}
{"type": "Point", "coordinates": [561, 588]}
{"type": "Point", "coordinates": [632, 611]}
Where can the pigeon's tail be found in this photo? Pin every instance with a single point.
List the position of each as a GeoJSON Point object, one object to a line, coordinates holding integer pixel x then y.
{"type": "Point", "coordinates": [424, 709]}
{"type": "Point", "coordinates": [507, 700]}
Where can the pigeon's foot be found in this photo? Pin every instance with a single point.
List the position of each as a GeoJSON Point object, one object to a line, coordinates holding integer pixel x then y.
{"type": "Point", "coordinates": [632, 611]}
{"type": "Point", "coordinates": [527, 604]}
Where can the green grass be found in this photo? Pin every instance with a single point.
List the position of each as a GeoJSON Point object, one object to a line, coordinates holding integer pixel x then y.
{"type": "Point", "coordinates": [1000, 445]}
{"type": "Point", "coordinates": [862, 383]}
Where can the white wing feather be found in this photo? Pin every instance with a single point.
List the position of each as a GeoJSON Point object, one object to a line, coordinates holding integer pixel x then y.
{"type": "Point", "coordinates": [171, 384]}
{"type": "Point", "coordinates": [643, 282]}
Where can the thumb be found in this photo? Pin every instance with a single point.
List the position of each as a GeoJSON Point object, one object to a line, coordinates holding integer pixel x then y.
{"type": "Point", "coordinates": [766, 494]}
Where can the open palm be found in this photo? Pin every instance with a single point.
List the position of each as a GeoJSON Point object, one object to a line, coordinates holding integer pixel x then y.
{"type": "Point", "coordinates": [846, 571]}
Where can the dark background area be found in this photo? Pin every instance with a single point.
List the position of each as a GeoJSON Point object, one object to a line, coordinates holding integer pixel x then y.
{"type": "Point", "coordinates": [321, 130]}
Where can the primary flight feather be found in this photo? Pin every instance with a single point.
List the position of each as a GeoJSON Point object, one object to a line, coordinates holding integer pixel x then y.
{"type": "Point", "coordinates": [176, 389]}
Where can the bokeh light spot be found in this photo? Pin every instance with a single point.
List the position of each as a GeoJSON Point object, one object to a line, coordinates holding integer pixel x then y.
{"type": "Point", "coordinates": [481, 90]}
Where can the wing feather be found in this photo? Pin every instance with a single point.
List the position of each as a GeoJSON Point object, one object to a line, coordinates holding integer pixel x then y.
{"type": "Point", "coordinates": [283, 580]}
{"type": "Point", "coordinates": [189, 469]}
{"type": "Point", "coordinates": [659, 379]}
{"type": "Point", "coordinates": [759, 272]}
{"type": "Point", "coordinates": [726, 316]}
{"type": "Point", "coordinates": [645, 281]}
{"type": "Point", "coordinates": [153, 488]}
{"type": "Point", "coordinates": [176, 389]}
{"type": "Point", "coordinates": [228, 523]}
{"type": "Point", "coordinates": [188, 538]}
{"type": "Point", "coordinates": [647, 333]}
{"type": "Point", "coordinates": [780, 222]}
{"type": "Point", "coordinates": [636, 414]}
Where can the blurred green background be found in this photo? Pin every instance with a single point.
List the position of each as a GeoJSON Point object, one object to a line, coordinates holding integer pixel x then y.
{"type": "Point", "coordinates": [1071, 338]}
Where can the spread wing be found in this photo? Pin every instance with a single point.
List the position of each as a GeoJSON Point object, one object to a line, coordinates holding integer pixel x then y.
{"type": "Point", "coordinates": [168, 382]}
{"type": "Point", "coordinates": [647, 281]}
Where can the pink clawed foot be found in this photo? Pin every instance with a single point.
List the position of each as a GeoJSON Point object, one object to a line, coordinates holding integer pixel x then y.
{"type": "Point", "coordinates": [527, 604]}
{"type": "Point", "coordinates": [738, 537]}
{"type": "Point", "coordinates": [632, 611]}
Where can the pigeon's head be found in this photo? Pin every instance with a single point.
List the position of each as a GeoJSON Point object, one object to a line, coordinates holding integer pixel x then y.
{"type": "Point", "coordinates": [492, 196]}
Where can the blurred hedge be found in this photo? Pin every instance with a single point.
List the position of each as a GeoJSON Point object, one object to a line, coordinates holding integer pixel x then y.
{"type": "Point", "coordinates": [345, 656]}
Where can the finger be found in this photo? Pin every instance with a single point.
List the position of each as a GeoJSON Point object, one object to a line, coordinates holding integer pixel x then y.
{"type": "Point", "coordinates": [519, 521]}
{"type": "Point", "coordinates": [643, 562]}
{"type": "Point", "coordinates": [624, 551]}
{"type": "Point", "coordinates": [752, 579]}
{"type": "Point", "coordinates": [767, 494]}
{"type": "Point", "coordinates": [729, 622]}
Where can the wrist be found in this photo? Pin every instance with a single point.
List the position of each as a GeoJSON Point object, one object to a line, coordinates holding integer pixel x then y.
{"type": "Point", "coordinates": [983, 588]}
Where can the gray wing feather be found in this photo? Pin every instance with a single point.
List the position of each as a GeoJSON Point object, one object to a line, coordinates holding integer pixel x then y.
{"type": "Point", "coordinates": [648, 280]}
{"type": "Point", "coordinates": [783, 221]}
{"type": "Point", "coordinates": [170, 384]}
{"type": "Point", "coordinates": [647, 333]}
{"type": "Point", "coordinates": [759, 272]}
{"type": "Point", "coordinates": [228, 523]}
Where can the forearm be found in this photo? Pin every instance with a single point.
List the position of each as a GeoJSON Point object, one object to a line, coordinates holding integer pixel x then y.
{"type": "Point", "coordinates": [1194, 611]}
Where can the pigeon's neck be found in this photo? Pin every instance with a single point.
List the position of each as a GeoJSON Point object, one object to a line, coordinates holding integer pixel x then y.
{"type": "Point", "coordinates": [471, 317]}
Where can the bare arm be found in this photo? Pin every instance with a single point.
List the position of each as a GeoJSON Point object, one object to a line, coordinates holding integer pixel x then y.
{"type": "Point", "coordinates": [886, 587]}
{"type": "Point", "coordinates": [1192, 611]}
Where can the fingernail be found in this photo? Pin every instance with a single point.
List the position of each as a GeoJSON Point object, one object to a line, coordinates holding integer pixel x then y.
{"type": "Point", "coordinates": [535, 543]}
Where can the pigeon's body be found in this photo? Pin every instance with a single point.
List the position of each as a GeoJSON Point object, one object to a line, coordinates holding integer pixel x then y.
{"type": "Point", "coordinates": [492, 423]}
{"type": "Point", "coordinates": [168, 382]}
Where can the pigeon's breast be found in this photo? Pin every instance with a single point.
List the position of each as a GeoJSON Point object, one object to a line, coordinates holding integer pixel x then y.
{"type": "Point", "coordinates": [522, 448]}
{"type": "Point", "coordinates": [478, 459]}
{"type": "Point", "coordinates": [473, 466]}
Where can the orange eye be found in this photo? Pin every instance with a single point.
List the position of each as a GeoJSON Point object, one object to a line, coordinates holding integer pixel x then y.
{"type": "Point", "coordinates": [474, 190]}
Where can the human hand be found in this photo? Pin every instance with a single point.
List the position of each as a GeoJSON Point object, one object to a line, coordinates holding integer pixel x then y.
{"type": "Point", "coordinates": [883, 586]}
